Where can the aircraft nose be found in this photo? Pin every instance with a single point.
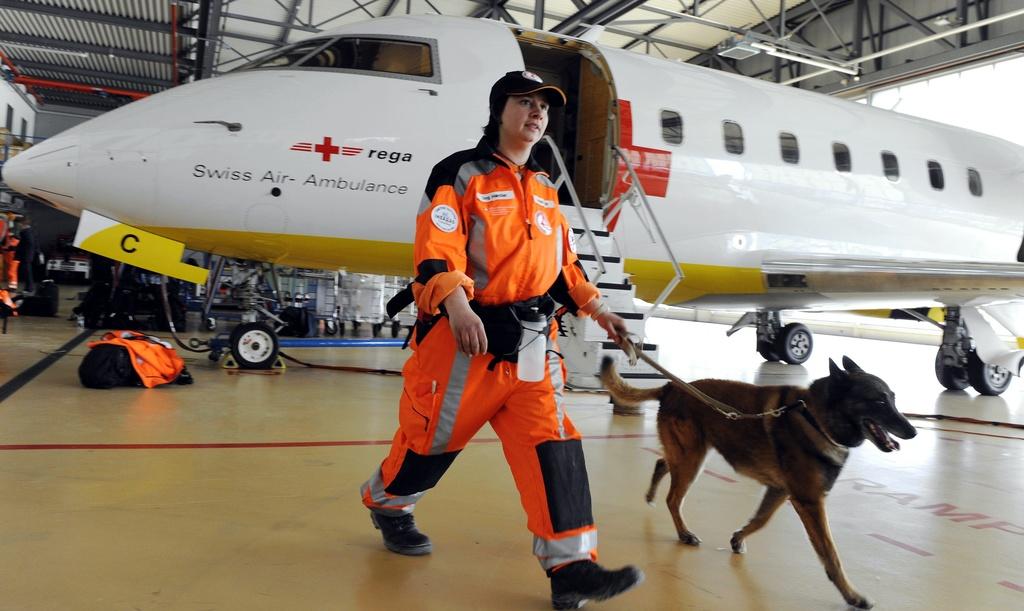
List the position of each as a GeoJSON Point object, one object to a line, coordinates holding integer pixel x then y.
{"type": "Point", "coordinates": [48, 171]}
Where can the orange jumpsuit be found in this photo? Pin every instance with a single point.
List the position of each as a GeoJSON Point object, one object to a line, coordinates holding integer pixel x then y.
{"type": "Point", "coordinates": [10, 265]}
{"type": "Point", "coordinates": [502, 239]}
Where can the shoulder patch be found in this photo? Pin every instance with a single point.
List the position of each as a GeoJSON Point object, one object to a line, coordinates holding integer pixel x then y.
{"type": "Point", "coordinates": [572, 239]}
{"type": "Point", "coordinates": [445, 218]}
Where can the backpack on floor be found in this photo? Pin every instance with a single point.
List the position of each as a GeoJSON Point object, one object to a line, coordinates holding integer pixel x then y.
{"type": "Point", "coordinates": [150, 360]}
{"type": "Point", "coordinates": [107, 366]}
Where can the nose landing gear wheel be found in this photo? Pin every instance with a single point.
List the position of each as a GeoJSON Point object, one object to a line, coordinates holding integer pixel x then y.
{"type": "Point", "coordinates": [254, 345]}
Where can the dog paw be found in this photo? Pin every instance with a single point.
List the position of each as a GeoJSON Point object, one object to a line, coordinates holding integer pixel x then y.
{"type": "Point", "coordinates": [689, 539]}
{"type": "Point", "coordinates": [738, 545]}
{"type": "Point", "coordinates": [860, 602]}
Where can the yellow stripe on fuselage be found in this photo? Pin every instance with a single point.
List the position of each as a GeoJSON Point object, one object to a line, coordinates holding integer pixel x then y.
{"type": "Point", "coordinates": [395, 259]}
{"type": "Point", "coordinates": [314, 252]}
{"type": "Point", "coordinates": [651, 277]}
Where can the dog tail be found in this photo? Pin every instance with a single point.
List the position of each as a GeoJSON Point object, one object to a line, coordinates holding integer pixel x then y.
{"type": "Point", "coordinates": [623, 392]}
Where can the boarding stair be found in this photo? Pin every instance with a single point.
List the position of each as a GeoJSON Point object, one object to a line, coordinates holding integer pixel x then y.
{"type": "Point", "coordinates": [583, 343]}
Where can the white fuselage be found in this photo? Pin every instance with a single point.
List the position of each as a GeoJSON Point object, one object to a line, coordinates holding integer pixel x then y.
{"type": "Point", "coordinates": [277, 190]}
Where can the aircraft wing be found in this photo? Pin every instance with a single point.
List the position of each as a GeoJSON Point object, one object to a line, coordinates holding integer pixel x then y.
{"type": "Point", "coordinates": [945, 282]}
{"type": "Point", "coordinates": [823, 282]}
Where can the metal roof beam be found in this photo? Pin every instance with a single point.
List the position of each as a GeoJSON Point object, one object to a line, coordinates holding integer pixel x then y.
{"type": "Point", "coordinates": [288, 24]}
{"type": "Point", "coordinates": [70, 13]}
{"type": "Point", "coordinates": [588, 13]}
{"type": "Point", "coordinates": [913, 21]}
{"type": "Point", "coordinates": [137, 80]}
{"type": "Point", "coordinates": [66, 45]}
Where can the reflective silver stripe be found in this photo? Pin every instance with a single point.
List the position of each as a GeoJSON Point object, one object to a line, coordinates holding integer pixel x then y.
{"type": "Point", "coordinates": [553, 552]}
{"type": "Point", "coordinates": [558, 385]}
{"type": "Point", "coordinates": [450, 404]}
{"type": "Point", "coordinates": [477, 251]}
{"type": "Point", "coordinates": [468, 171]}
{"type": "Point", "coordinates": [544, 180]}
{"type": "Point", "coordinates": [558, 257]}
{"type": "Point", "coordinates": [424, 205]}
{"type": "Point", "coordinates": [393, 505]}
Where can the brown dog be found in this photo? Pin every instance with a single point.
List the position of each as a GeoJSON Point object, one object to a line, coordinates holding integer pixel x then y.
{"type": "Point", "coordinates": [798, 455]}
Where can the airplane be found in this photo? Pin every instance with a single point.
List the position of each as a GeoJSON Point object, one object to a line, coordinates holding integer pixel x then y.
{"type": "Point", "coordinates": [771, 198]}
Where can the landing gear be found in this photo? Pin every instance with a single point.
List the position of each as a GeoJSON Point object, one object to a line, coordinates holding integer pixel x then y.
{"type": "Point", "coordinates": [254, 345]}
{"type": "Point", "coordinates": [794, 343]}
{"type": "Point", "coordinates": [791, 344]}
{"type": "Point", "coordinates": [958, 365]}
{"type": "Point", "coordinates": [991, 380]}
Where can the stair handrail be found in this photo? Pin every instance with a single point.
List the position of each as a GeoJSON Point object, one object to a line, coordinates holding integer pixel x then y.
{"type": "Point", "coordinates": [563, 177]}
{"type": "Point", "coordinates": [635, 184]}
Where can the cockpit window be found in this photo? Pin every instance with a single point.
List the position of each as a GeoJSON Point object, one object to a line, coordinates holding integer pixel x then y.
{"type": "Point", "coordinates": [375, 55]}
{"type": "Point", "coordinates": [288, 56]}
{"type": "Point", "coordinates": [398, 57]}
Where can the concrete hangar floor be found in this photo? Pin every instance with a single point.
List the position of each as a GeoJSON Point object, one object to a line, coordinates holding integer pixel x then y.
{"type": "Point", "coordinates": [241, 492]}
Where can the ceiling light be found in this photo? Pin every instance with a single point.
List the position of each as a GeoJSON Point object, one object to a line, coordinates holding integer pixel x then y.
{"type": "Point", "coordinates": [770, 50]}
{"type": "Point", "coordinates": [737, 49]}
{"type": "Point", "coordinates": [45, 49]}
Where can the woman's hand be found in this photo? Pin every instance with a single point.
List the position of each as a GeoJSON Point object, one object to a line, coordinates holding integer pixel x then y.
{"type": "Point", "coordinates": [468, 329]}
{"type": "Point", "coordinates": [613, 324]}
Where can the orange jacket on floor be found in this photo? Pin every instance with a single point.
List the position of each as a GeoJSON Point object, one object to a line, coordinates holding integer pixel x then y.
{"type": "Point", "coordinates": [153, 359]}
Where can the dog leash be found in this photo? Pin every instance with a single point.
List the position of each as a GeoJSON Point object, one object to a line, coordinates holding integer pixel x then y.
{"type": "Point", "coordinates": [633, 352]}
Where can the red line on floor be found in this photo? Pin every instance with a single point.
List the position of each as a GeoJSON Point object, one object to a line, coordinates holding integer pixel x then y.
{"type": "Point", "coordinates": [719, 476]}
{"type": "Point", "coordinates": [1012, 586]}
{"type": "Point", "coordinates": [909, 548]}
{"type": "Point", "coordinates": [239, 445]}
{"type": "Point", "coordinates": [932, 428]}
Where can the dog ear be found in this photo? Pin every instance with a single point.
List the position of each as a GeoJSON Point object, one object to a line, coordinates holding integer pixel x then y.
{"type": "Point", "coordinates": [850, 366]}
{"type": "Point", "coordinates": [834, 370]}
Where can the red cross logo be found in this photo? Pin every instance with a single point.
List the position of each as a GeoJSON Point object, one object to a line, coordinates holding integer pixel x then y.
{"type": "Point", "coordinates": [327, 149]}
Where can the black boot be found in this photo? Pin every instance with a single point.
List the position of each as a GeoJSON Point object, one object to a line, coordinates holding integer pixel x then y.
{"type": "Point", "coordinates": [574, 584]}
{"type": "Point", "coordinates": [401, 535]}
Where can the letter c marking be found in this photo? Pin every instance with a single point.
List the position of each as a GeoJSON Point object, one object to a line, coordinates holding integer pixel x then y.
{"type": "Point", "coordinates": [124, 242]}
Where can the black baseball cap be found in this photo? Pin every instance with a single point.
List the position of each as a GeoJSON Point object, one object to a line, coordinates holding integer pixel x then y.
{"type": "Point", "coordinates": [524, 82]}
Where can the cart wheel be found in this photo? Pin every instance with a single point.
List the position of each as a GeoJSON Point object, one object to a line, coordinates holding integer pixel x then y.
{"type": "Point", "coordinates": [254, 345]}
{"type": "Point", "coordinates": [395, 328]}
{"type": "Point", "coordinates": [377, 326]}
{"type": "Point", "coordinates": [210, 323]}
{"type": "Point", "coordinates": [355, 328]}
{"type": "Point", "coordinates": [331, 326]}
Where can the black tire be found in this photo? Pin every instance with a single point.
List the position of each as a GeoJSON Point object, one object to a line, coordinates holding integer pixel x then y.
{"type": "Point", "coordinates": [330, 326]}
{"type": "Point", "coordinates": [767, 351]}
{"type": "Point", "coordinates": [988, 380]}
{"type": "Point", "coordinates": [210, 323]}
{"type": "Point", "coordinates": [950, 376]}
{"type": "Point", "coordinates": [377, 326]}
{"type": "Point", "coordinates": [396, 327]}
{"type": "Point", "coordinates": [794, 343]}
{"type": "Point", "coordinates": [254, 345]}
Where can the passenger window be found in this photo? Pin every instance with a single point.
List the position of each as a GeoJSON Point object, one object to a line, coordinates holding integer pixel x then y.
{"type": "Point", "coordinates": [289, 56]}
{"type": "Point", "coordinates": [841, 155]}
{"type": "Point", "coordinates": [974, 181]}
{"type": "Point", "coordinates": [671, 127]}
{"type": "Point", "coordinates": [790, 148]}
{"type": "Point", "coordinates": [935, 175]}
{"type": "Point", "coordinates": [891, 166]}
{"type": "Point", "coordinates": [733, 137]}
{"type": "Point", "coordinates": [375, 55]}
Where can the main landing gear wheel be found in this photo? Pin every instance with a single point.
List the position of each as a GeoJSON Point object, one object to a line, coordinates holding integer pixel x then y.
{"type": "Point", "coordinates": [767, 351]}
{"type": "Point", "coordinates": [990, 380]}
{"type": "Point", "coordinates": [952, 377]}
{"type": "Point", "coordinates": [254, 345]}
{"type": "Point", "coordinates": [794, 343]}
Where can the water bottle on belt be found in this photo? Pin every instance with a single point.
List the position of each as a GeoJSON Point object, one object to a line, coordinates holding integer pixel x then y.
{"type": "Point", "coordinates": [533, 346]}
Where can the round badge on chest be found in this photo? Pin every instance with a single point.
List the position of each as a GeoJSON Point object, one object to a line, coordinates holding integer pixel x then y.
{"type": "Point", "coordinates": [542, 223]}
